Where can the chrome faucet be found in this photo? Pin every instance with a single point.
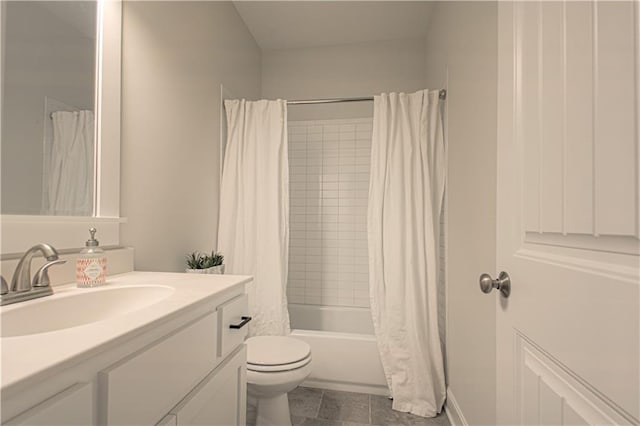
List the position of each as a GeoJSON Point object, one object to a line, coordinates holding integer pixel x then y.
{"type": "Point", "coordinates": [22, 286]}
{"type": "Point", "coordinates": [5, 286]}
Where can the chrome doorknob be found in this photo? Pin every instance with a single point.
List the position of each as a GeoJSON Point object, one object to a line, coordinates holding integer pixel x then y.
{"type": "Point", "coordinates": [502, 283]}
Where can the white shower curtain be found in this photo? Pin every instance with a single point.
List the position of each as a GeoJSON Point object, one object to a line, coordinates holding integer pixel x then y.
{"type": "Point", "coordinates": [70, 165]}
{"type": "Point", "coordinates": [405, 200]}
{"type": "Point", "coordinates": [253, 231]}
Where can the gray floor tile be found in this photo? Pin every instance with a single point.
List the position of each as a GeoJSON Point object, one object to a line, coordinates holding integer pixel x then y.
{"type": "Point", "coordinates": [382, 414]}
{"type": "Point", "coordinates": [441, 419]}
{"type": "Point", "coordinates": [305, 402]}
{"type": "Point", "coordinates": [315, 407]}
{"type": "Point", "coordinates": [297, 420]}
{"type": "Point", "coordinates": [344, 406]}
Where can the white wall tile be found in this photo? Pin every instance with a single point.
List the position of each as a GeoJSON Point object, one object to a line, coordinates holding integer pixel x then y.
{"type": "Point", "coordinates": [330, 248]}
{"type": "Point", "coordinates": [330, 235]}
{"type": "Point", "coordinates": [361, 260]}
{"type": "Point", "coordinates": [297, 130]}
{"type": "Point", "coordinates": [295, 283]}
{"type": "Point", "coordinates": [314, 137]}
{"type": "Point", "coordinates": [330, 285]}
{"type": "Point", "coordinates": [363, 303]}
{"type": "Point", "coordinates": [296, 275]}
{"type": "Point", "coordinates": [330, 276]}
{"type": "Point", "coordinates": [297, 186]}
{"type": "Point", "coordinates": [313, 226]}
{"type": "Point", "coordinates": [329, 186]}
{"type": "Point", "coordinates": [297, 242]}
{"type": "Point", "coordinates": [345, 251]}
{"type": "Point", "coordinates": [361, 285]}
{"type": "Point", "coordinates": [296, 267]}
{"type": "Point", "coordinates": [313, 251]}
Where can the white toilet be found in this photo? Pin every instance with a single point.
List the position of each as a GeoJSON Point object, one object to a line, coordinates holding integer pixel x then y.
{"type": "Point", "coordinates": [275, 365]}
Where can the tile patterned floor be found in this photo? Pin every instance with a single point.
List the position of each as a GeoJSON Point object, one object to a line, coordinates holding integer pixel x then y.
{"type": "Point", "coordinates": [318, 407]}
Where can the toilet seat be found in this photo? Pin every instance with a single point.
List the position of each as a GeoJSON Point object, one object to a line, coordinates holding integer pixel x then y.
{"type": "Point", "coordinates": [279, 367]}
{"type": "Point", "coordinates": [276, 353]}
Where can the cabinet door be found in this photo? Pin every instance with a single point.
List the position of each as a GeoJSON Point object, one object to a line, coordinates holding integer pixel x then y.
{"type": "Point", "coordinates": [73, 406]}
{"type": "Point", "coordinates": [220, 399]}
{"type": "Point", "coordinates": [159, 376]}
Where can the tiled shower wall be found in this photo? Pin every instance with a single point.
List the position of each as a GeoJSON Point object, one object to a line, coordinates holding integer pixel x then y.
{"type": "Point", "coordinates": [329, 184]}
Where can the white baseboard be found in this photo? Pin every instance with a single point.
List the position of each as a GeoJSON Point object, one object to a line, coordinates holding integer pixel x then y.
{"type": "Point", "coordinates": [346, 387]}
{"type": "Point", "coordinates": [451, 407]}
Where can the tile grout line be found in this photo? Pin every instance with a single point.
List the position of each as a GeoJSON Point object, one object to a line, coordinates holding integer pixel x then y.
{"type": "Point", "coordinates": [320, 404]}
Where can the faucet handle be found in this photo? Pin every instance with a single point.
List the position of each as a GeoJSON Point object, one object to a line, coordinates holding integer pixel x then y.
{"type": "Point", "coordinates": [41, 277]}
{"type": "Point", "coordinates": [5, 286]}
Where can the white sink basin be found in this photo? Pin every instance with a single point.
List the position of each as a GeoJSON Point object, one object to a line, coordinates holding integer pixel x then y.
{"type": "Point", "coordinates": [78, 307]}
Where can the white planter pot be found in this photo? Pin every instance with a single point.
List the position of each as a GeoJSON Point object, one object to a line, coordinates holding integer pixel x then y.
{"type": "Point", "coordinates": [213, 270]}
{"type": "Point", "coordinates": [216, 269]}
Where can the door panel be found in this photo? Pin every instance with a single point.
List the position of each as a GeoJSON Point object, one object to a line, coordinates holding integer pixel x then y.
{"type": "Point", "coordinates": [552, 395]}
{"type": "Point", "coordinates": [568, 336]}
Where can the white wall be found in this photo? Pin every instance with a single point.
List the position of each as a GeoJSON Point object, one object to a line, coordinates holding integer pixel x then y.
{"type": "Point", "coordinates": [462, 55]}
{"type": "Point", "coordinates": [362, 69]}
{"type": "Point", "coordinates": [175, 56]}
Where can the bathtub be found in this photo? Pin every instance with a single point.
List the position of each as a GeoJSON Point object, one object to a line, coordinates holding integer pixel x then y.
{"type": "Point", "coordinates": [343, 348]}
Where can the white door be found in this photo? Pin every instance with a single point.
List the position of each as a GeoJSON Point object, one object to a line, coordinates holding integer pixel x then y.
{"type": "Point", "coordinates": [568, 213]}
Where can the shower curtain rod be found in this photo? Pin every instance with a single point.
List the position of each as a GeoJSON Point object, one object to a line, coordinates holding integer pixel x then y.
{"type": "Point", "coordinates": [443, 96]}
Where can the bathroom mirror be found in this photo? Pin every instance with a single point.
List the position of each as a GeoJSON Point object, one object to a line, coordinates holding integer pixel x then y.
{"type": "Point", "coordinates": [61, 71]}
{"type": "Point", "coordinates": [48, 132]}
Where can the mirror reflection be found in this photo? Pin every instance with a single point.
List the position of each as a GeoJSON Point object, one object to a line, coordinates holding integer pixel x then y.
{"type": "Point", "coordinates": [48, 77]}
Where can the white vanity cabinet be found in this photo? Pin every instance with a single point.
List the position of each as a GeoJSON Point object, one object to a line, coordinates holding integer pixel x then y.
{"type": "Point", "coordinates": [185, 368]}
{"type": "Point", "coordinates": [183, 371]}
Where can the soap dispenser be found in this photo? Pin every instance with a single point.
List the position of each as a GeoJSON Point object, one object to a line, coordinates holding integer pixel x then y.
{"type": "Point", "coordinates": [91, 265]}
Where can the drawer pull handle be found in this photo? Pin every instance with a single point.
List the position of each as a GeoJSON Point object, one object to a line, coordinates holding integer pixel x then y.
{"type": "Point", "coordinates": [245, 321]}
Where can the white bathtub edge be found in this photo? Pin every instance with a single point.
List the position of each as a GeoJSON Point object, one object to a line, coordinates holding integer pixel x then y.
{"type": "Point", "coordinates": [333, 334]}
{"type": "Point", "coordinates": [346, 387]}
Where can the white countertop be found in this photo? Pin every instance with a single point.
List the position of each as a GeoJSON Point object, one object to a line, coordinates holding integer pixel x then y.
{"type": "Point", "coordinates": [35, 355]}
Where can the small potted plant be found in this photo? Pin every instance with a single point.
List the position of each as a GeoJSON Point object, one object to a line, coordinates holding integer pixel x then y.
{"type": "Point", "coordinates": [214, 263]}
{"type": "Point", "coordinates": [198, 263]}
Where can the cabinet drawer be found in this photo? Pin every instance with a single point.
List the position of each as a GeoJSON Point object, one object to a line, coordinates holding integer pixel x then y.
{"type": "Point", "coordinates": [220, 399]}
{"type": "Point", "coordinates": [141, 389]}
{"type": "Point", "coordinates": [231, 313]}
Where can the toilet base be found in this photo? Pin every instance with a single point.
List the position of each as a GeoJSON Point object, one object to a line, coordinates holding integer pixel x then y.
{"type": "Point", "coordinates": [273, 411]}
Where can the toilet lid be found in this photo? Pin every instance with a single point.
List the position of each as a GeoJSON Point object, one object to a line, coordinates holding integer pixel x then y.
{"type": "Point", "coordinates": [275, 350]}
{"type": "Point", "coordinates": [279, 368]}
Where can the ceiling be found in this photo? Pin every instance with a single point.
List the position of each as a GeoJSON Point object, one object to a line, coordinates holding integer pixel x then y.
{"type": "Point", "coordinates": [295, 24]}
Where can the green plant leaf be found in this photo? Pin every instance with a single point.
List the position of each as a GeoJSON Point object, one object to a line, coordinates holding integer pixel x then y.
{"type": "Point", "coordinates": [195, 260]}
